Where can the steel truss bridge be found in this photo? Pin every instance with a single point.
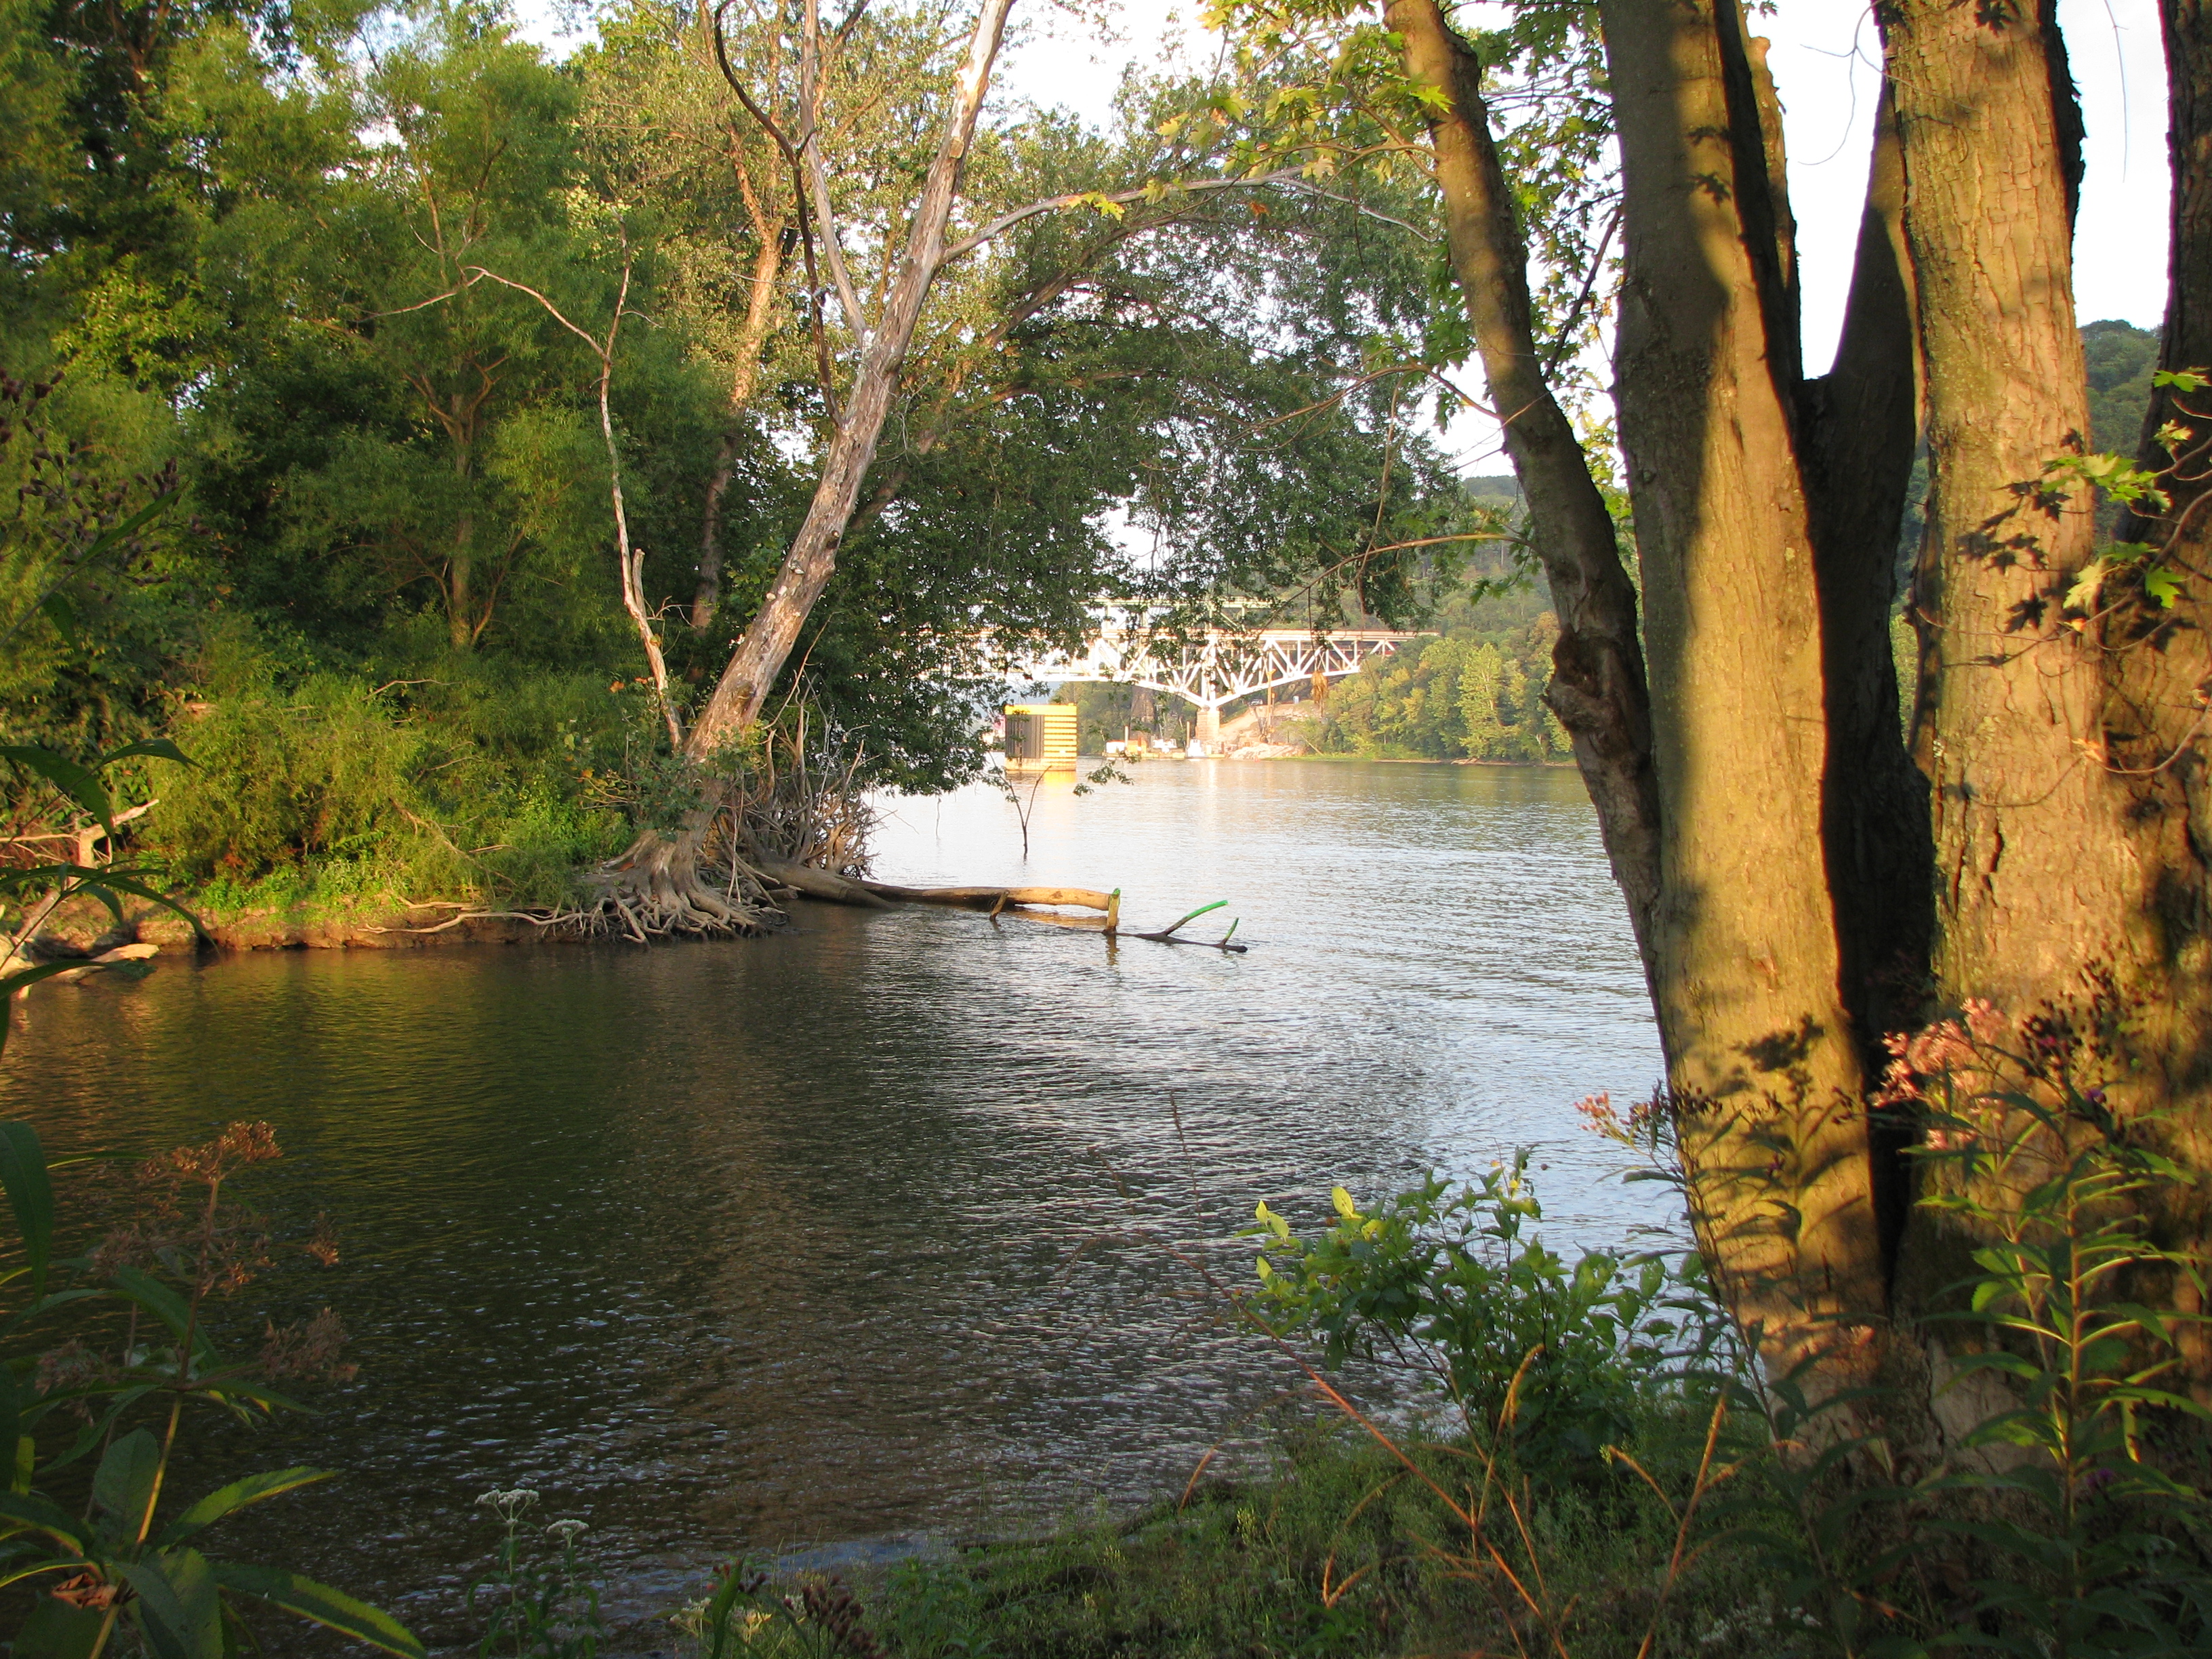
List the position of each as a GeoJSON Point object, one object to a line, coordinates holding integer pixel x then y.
{"type": "Point", "coordinates": [1216, 668]}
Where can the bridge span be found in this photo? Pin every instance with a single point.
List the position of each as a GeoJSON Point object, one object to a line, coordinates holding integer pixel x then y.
{"type": "Point", "coordinates": [1216, 668]}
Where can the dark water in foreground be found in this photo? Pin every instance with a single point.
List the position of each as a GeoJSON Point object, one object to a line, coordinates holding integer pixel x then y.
{"type": "Point", "coordinates": [824, 1236]}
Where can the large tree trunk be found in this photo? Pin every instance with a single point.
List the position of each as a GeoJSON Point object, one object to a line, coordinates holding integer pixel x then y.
{"type": "Point", "coordinates": [1747, 961]}
{"type": "Point", "coordinates": [1597, 687]}
{"type": "Point", "coordinates": [2035, 882]}
{"type": "Point", "coordinates": [767, 643]}
{"type": "Point", "coordinates": [1727, 816]}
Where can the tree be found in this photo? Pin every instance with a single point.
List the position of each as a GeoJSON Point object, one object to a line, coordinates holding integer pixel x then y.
{"type": "Point", "coordinates": [1779, 852]}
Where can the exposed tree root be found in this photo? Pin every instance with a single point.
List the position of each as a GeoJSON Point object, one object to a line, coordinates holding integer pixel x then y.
{"type": "Point", "coordinates": [577, 919]}
{"type": "Point", "coordinates": [662, 886]}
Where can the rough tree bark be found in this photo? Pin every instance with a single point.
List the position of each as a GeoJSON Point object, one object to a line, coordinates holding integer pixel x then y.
{"type": "Point", "coordinates": [1752, 848]}
{"type": "Point", "coordinates": [2034, 878]}
{"type": "Point", "coordinates": [1747, 955]}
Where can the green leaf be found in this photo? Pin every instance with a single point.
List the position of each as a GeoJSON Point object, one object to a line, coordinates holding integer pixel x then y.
{"type": "Point", "coordinates": [157, 1298]}
{"type": "Point", "coordinates": [56, 1630]}
{"type": "Point", "coordinates": [123, 1483]}
{"type": "Point", "coordinates": [81, 786]}
{"type": "Point", "coordinates": [178, 1607]}
{"type": "Point", "coordinates": [26, 1511]}
{"type": "Point", "coordinates": [30, 1193]}
{"type": "Point", "coordinates": [11, 1423]}
{"type": "Point", "coordinates": [56, 610]}
{"type": "Point", "coordinates": [236, 1496]}
{"type": "Point", "coordinates": [2163, 583]}
{"type": "Point", "coordinates": [332, 1609]}
{"type": "Point", "coordinates": [157, 748]}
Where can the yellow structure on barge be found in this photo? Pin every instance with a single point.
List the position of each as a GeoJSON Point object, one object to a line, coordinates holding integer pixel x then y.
{"type": "Point", "coordinates": [1041, 737]}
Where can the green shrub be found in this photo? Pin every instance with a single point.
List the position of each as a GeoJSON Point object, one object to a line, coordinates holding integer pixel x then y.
{"type": "Point", "coordinates": [478, 783]}
{"type": "Point", "coordinates": [322, 772]}
{"type": "Point", "coordinates": [1445, 1284]}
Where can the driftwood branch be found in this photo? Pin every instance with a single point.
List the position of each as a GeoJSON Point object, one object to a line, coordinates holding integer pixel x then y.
{"type": "Point", "coordinates": [1029, 903]}
{"type": "Point", "coordinates": [1169, 934]}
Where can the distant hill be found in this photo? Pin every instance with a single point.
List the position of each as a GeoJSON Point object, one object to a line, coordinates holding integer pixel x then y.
{"type": "Point", "coordinates": [2121, 358]}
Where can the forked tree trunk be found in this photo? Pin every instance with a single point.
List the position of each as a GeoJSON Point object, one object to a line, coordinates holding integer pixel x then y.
{"type": "Point", "coordinates": [1858, 426]}
{"type": "Point", "coordinates": [1747, 963]}
{"type": "Point", "coordinates": [1727, 817]}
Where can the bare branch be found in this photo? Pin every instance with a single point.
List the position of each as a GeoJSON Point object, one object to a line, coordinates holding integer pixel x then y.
{"type": "Point", "coordinates": [766, 123]}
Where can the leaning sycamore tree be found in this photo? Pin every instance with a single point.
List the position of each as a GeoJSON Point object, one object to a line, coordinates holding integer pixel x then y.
{"type": "Point", "coordinates": [1807, 871]}
{"type": "Point", "coordinates": [855, 256]}
{"type": "Point", "coordinates": [658, 880]}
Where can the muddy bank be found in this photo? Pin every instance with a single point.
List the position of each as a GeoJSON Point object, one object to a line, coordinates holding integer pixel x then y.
{"type": "Point", "coordinates": [87, 930]}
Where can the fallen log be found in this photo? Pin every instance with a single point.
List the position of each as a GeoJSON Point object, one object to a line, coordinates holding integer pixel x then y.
{"type": "Point", "coordinates": [818, 883]}
{"type": "Point", "coordinates": [1030, 903]}
{"type": "Point", "coordinates": [998, 898]}
{"type": "Point", "coordinates": [121, 954]}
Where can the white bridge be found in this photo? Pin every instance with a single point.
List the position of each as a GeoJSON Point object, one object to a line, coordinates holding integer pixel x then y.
{"type": "Point", "coordinates": [1216, 668]}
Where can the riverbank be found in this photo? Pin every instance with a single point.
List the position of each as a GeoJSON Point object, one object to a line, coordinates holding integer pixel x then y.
{"type": "Point", "coordinates": [1340, 1548]}
{"type": "Point", "coordinates": [816, 1238]}
{"type": "Point", "coordinates": [339, 922]}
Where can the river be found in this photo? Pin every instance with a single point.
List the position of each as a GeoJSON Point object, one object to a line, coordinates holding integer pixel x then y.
{"type": "Point", "coordinates": [863, 1230]}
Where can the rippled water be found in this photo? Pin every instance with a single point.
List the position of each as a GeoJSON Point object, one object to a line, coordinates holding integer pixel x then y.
{"type": "Point", "coordinates": [856, 1231]}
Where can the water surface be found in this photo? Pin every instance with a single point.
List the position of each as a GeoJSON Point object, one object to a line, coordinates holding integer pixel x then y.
{"type": "Point", "coordinates": [859, 1230]}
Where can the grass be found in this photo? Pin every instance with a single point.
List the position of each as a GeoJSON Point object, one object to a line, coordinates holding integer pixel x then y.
{"type": "Point", "coordinates": [1338, 1550]}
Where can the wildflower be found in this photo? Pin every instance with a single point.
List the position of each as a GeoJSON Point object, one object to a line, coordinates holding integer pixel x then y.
{"type": "Point", "coordinates": [87, 1589]}
{"type": "Point", "coordinates": [509, 1504]}
{"type": "Point", "coordinates": [67, 1367]}
{"type": "Point", "coordinates": [240, 1145]}
{"type": "Point", "coordinates": [567, 1531]}
{"type": "Point", "coordinates": [308, 1349]}
{"type": "Point", "coordinates": [1983, 1020]}
{"type": "Point", "coordinates": [1598, 1114]}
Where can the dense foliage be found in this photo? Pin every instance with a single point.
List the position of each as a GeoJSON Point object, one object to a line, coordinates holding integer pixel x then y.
{"type": "Point", "coordinates": [307, 277]}
{"type": "Point", "coordinates": [1465, 695]}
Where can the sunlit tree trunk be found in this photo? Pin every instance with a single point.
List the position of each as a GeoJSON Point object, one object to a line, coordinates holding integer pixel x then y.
{"type": "Point", "coordinates": [1746, 960]}
{"type": "Point", "coordinates": [1752, 844]}
{"type": "Point", "coordinates": [2034, 877]}
{"type": "Point", "coordinates": [767, 643]}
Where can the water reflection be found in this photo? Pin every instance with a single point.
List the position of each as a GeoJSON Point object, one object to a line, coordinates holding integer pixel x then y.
{"type": "Point", "coordinates": [728, 1246]}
